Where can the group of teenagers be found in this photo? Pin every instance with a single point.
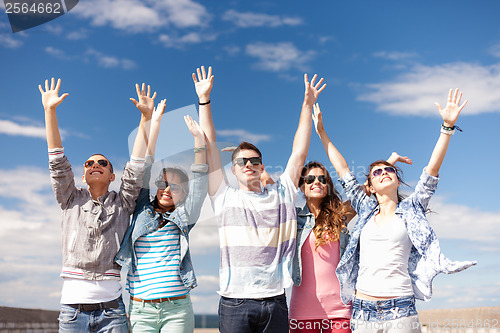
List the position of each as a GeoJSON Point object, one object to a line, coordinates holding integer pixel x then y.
{"type": "Point", "coordinates": [365, 280]}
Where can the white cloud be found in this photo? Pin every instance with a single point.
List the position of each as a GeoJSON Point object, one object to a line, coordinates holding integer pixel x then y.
{"type": "Point", "coordinates": [415, 92]}
{"type": "Point", "coordinates": [107, 61]}
{"type": "Point", "coordinates": [452, 221]}
{"type": "Point", "coordinates": [78, 34]}
{"type": "Point", "coordinates": [243, 135]}
{"type": "Point", "coordinates": [394, 55]}
{"type": "Point", "coordinates": [11, 128]}
{"type": "Point", "coordinates": [102, 60]}
{"type": "Point", "coordinates": [279, 57]}
{"type": "Point", "coordinates": [249, 19]}
{"type": "Point", "coordinates": [495, 50]}
{"type": "Point", "coordinates": [57, 53]}
{"type": "Point", "coordinates": [176, 41]}
{"type": "Point", "coordinates": [232, 50]}
{"type": "Point", "coordinates": [10, 42]}
{"type": "Point", "coordinates": [142, 16]}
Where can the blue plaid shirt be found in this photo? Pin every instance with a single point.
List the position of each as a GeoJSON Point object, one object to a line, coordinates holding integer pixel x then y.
{"type": "Point", "coordinates": [426, 259]}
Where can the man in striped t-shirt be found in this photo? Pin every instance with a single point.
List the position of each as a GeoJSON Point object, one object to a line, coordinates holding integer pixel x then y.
{"type": "Point", "coordinates": [257, 226]}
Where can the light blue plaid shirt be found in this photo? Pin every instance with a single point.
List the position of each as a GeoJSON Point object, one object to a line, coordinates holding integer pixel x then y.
{"type": "Point", "coordinates": [426, 259]}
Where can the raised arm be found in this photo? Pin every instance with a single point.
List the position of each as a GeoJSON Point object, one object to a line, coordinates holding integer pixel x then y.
{"type": "Point", "coordinates": [155, 127]}
{"type": "Point", "coordinates": [303, 135]}
{"type": "Point", "coordinates": [146, 106]}
{"type": "Point", "coordinates": [450, 115]}
{"type": "Point", "coordinates": [50, 100]}
{"type": "Point", "coordinates": [200, 156]}
{"type": "Point", "coordinates": [337, 160]}
{"type": "Point", "coordinates": [203, 84]}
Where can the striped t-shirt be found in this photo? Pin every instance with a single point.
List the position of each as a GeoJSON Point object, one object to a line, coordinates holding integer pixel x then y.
{"type": "Point", "coordinates": [257, 239]}
{"type": "Point", "coordinates": [158, 259]}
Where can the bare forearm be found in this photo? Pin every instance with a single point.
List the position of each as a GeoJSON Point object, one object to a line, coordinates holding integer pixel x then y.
{"type": "Point", "coordinates": [52, 129]}
{"type": "Point", "coordinates": [141, 139]}
{"type": "Point", "coordinates": [438, 155]}
{"type": "Point", "coordinates": [338, 161]}
{"type": "Point", "coordinates": [206, 122]}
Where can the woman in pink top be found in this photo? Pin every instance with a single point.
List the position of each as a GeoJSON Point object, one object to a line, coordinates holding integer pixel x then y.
{"type": "Point", "coordinates": [315, 305]}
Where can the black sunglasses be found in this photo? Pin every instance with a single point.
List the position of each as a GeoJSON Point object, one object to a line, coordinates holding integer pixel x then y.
{"type": "Point", "coordinates": [242, 161]}
{"type": "Point", "coordinates": [378, 172]}
{"type": "Point", "coordinates": [163, 184]}
{"type": "Point", "coordinates": [309, 179]}
{"type": "Point", "coordinates": [90, 163]}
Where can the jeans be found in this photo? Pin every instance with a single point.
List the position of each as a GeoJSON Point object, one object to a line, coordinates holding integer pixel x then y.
{"type": "Point", "coordinates": [174, 316]}
{"type": "Point", "coordinates": [247, 315]}
{"type": "Point", "coordinates": [392, 315]}
{"type": "Point", "coordinates": [99, 321]}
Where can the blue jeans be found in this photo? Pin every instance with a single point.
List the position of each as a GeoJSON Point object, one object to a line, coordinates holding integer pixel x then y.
{"type": "Point", "coordinates": [174, 316]}
{"type": "Point", "coordinates": [397, 315]}
{"type": "Point", "coordinates": [247, 315]}
{"type": "Point", "coordinates": [99, 321]}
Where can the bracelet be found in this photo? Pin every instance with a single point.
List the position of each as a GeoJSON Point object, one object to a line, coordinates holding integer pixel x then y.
{"type": "Point", "coordinates": [200, 103]}
{"type": "Point", "coordinates": [449, 130]}
{"type": "Point", "coordinates": [198, 149]}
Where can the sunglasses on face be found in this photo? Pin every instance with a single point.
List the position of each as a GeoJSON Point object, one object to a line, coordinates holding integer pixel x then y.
{"type": "Point", "coordinates": [90, 163]}
{"type": "Point", "coordinates": [163, 184]}
{"type": "Point", "coordinates": [310, 179]}
{"type": "Point", "coordinates": [242, 161]}
{"type": "Point", "coordinates": [378, 172]}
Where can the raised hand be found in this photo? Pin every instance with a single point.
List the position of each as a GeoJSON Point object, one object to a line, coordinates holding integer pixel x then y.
{"type": "Point", "coordinates": [453, 108]}
{"type": "Point", "coordinates": [312, 90]}
{"type": "Point", "coordinates": [158, 111]}
{"type": "Point", "coordinates": [194, 127]}
{"type": "Point", "coordinates": [203, 83]}
{"type": "Point", "coordinates": [50, 97]}
{"type": "Point", "coordinates": [395, 157]}
{"type": "Point", "coordinates": [146, 103]}
{"type": "Point", "coordinates": [318, 119]}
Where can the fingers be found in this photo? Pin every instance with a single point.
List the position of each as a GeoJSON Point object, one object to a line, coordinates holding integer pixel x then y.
{"type": "Point", "coordinates": [203, 73]}
{"type": "Point", "coordinates": [462, 106]}
{"type": "Point", "coordinates": [438, 106]}
{"type": "Point", "coordinates": [52, 84]}
{"type": "Point", "coordinates": [450, 93]}
{"type": "Point", "coordinates": [194, 78]}
{"type": "Point", "coordinates": [134, 101]}
{"type": "Point", "coordinates": [46, 85]}
{"type": "Point", "coordinates": [58, 85]}
{"type": "Point", "coordinates": [143, 90]}
{"type": "Point", "coordinates": [319, 83]}
{"type": "Point", "coordinates": [63, 96]}
{"type": "Point", "coordinates": [323, 87]}
{"type": "Point", "coordinates": [313, 79]}
{"type": "Point", "coordinates": [154, 95]}
{"type": "Point", "coordinates": [199, 74]}
{"type": "Point", "coordinates": [149, 90]}
{"type": "Point", "coordinates": [138, 90]}
{"type": "Point", "coordinates": [210, 72]}
{"type": "Point", "coordinates": [306, 80]}
{"type": "Point", "coordinates": [41, 89]}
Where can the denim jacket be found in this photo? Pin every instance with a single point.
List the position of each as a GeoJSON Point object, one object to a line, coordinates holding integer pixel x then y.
{"type": "Point", "coordinates": [305, 224]}
{"type": "Point", "coordinates": [92, 230]}
{"type": "Point", "coordinates": [146, 220]}
{"type": "Point", "coordinates": [426, 259]}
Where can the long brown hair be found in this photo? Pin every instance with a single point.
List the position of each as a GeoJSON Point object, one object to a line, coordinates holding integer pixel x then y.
{"type": "Point", "coordinates": [331, 218]}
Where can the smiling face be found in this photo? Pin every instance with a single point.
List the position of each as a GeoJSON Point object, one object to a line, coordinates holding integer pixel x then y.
{"type": "Point", "coordinates": [315, 190]}
{"type": "Point", "coordinates": [249, 174]}
{"type": "Point", "coordinates": [97, 174]}
{"type": "Point", "coordinates": [383, 178]}
{"type": "Point", "coordinates": [171, 196]}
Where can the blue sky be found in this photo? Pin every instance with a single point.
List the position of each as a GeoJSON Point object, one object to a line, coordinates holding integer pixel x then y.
{"type": "Point", "coordinates": [385, 64]}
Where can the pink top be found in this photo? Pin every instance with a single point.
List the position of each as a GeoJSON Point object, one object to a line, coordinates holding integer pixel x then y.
{"type": "Point", "coordinates": [318, 296]}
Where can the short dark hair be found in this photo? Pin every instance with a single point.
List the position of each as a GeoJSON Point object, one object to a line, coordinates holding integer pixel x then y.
{"type": "Point", "coordinates": [110, 165]}
{"type": "Point", "coordinates": [245, 146]}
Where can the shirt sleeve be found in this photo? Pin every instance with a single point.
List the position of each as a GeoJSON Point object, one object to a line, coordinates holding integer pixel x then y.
{"type": "Point", "coordinates": [359, 200]}
{"type": "Point", "coordinates": [131, 185]}
{"type": "Point", "coordinates": [61, 177]}
{"type": "Point", "coordinates": [425, 188]}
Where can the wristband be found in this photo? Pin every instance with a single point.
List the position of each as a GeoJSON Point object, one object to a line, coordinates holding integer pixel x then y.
{"type": "Point", "coordinates": [449, 130]}
{"type": "Point", "coordinates": [198, 149]}
{"type": "Point", "coordinates": [200, 103]}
